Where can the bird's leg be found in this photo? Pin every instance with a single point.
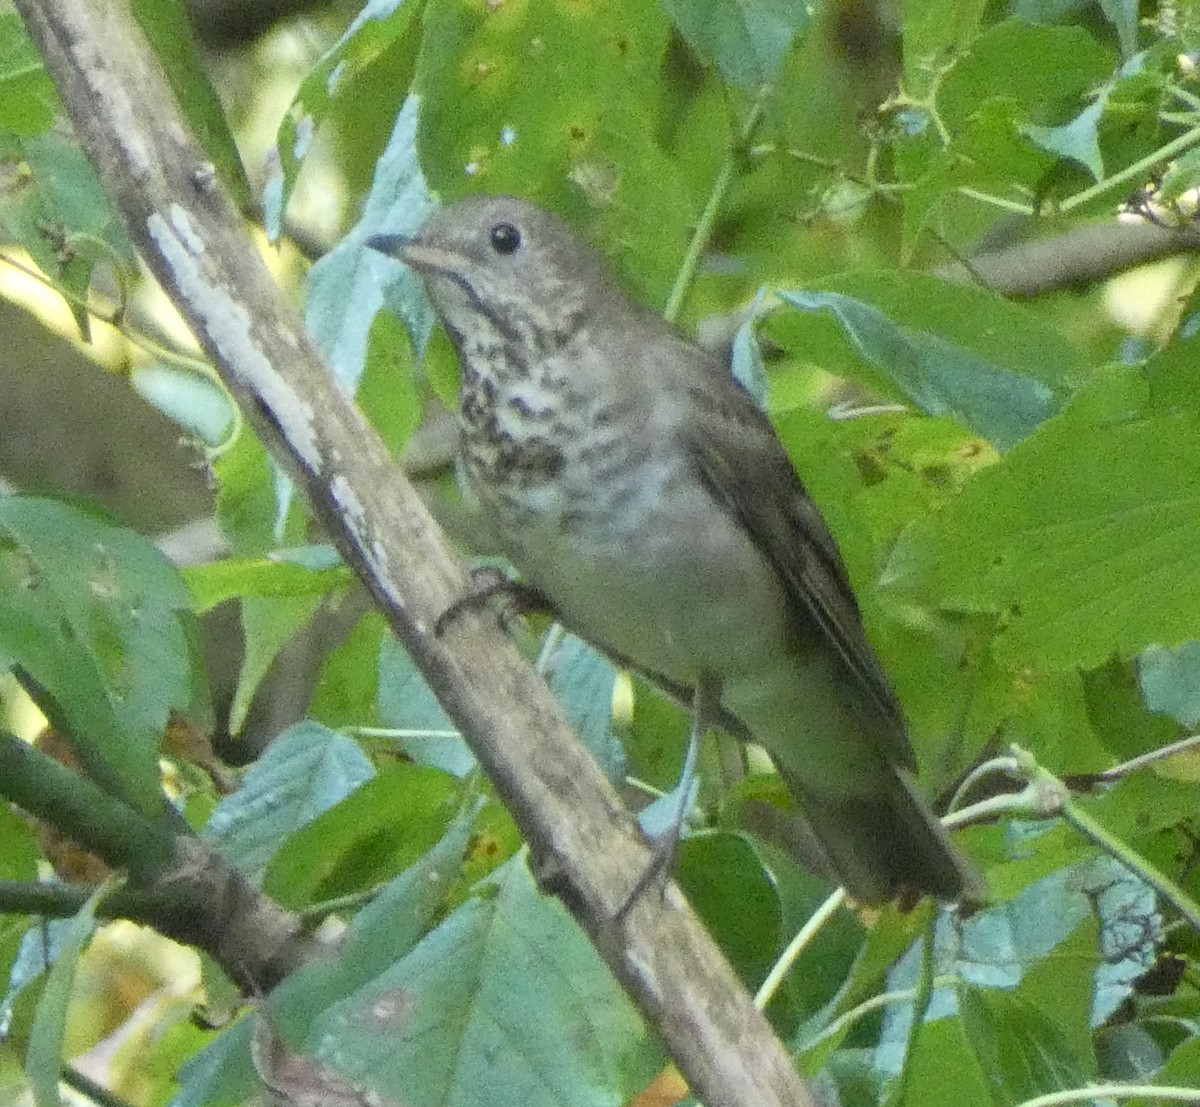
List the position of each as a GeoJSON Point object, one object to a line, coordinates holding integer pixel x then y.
{"type": "Point", "coordinates": [488, 583]}
{"type": "Point", "coordinates": [662, 822]}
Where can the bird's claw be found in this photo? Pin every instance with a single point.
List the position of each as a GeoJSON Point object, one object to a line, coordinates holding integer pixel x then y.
{"type": "Point", "coordinates": [487, 584]}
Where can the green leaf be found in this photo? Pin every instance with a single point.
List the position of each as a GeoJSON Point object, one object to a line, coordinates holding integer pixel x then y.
{"type": "Point", "coordinates": [583, 680]}
{"type": "Point", "coordinates": [91, 612]}
{"type": "Point", "coordinates": [733, 893]}
{"type": "Point", "coordinates": [193, 401]}
{"type": "Point", "coordinates": [28, 102]}
{"type": "Point", "coordinates": [1077, 140]}
{"type": "Point", "coordinates": [1022, 1052]}
{"type": "Point", "coordinates": [1032, 65]}
{"type": "Point", "coordinates": [747, 40]}
{"type": "Point", "coordinates": [1084, 536]}
{"type": "Point", "coordinates": [377, 26]}
{"type": "Point", "coordinates": [526, 99]}
{"type": "Point", "coordinates": [453, 1020]}
{"type": "Point", "coordinates": [167, 28]}
{"type": "Point", "coordinates": [407, 705]}
{"type": "Point", "coordinates": [350, 284]}
{"type": "Point", "coordinates": [939, 377]}
{"type": "Point", "coordinates": [305, 771]}
{"type": "Point", "coordinates": [268, 624]}
{"type": "Point", "coordinates": [377, 831]}
{"type": "Point", "coordinates": [348, 688]}
{"type": "Point", "coordinates": [1123, 15]}
{"type": "Point", "coordinates": [943, 1070]}
{"type": "Point", "coordinates": [278, 578]}
{"type": "Point", "coordinates": [43, 1059]}
{"type": "Point", "coordinates": [934, 30]}
{"type": "Point", "coordinates": [57, 210]}
{"type": "Point", "coordinates": [1173, 373]}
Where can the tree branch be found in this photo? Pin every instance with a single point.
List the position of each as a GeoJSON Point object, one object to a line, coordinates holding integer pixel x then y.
{"type": "Point", "coordinates": [1077, 257]}
{"type": "Point", "coordinates": [184, 888]}
{"type": "Point", "coordinates": [191, 237]}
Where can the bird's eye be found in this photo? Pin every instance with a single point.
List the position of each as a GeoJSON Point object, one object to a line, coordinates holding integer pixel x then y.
{"type": "Point", "coordinates": [506, 239]}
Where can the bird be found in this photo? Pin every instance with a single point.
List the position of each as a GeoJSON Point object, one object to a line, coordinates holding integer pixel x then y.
{"type": "Point", "coordinates": [635, 485]}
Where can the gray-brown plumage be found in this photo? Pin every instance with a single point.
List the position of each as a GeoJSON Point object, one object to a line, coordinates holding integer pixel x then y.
{"type": "Point", "coordinates": [636, 485]}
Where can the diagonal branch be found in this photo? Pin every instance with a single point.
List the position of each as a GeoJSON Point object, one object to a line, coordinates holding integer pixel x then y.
{"type": "Point", "coordinates": [187, 230]}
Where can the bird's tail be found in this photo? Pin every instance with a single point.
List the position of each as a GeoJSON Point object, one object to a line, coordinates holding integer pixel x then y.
{"type": "Point", "coordinates": [886, 844]}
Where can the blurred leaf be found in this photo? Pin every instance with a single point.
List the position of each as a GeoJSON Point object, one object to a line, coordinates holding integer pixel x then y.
{"type": "Point", "coordinates": [55, 208]}
{"type": "Point", "coordinates": [305, 771]}
{"type": "Point", "coordinates": [246, 500]}
{"type": "Point", "coordinates": [944, 1071]}
{"type": "Point", "coordinates": [992, 328]}
{"type": "Point", "coordinates": [450, 1022]}
{"type": "Point", "coordinates": [1035, 66]}
{"type": "Point", "coordinates": [406, 704]}
{"type": "Point", "coordinates": [1076, 140]}
{"type": "Point", "coordinates": [746, 39]}
{"type": "Point", "coordinates": [939, 377]}
{"type": "Point", "coordinates": [1123, 15]}
{"type": "Point", "coordinates": [1181, 1070]}
{"type": "Point", "coordinates": [1083, 536]}
{"type": "Point", "coordinates": [92, 612]}
{"type": "Point", "coordinates": [370, 836]}
{"type": "Point", "coordinates": [1173, 373]}
{"type": "Point", "coordinates": [348, 691]}
{"type": "Point", "coordinates": [194, 402]}
{"type": "Point", "coordinates": [268, 624]}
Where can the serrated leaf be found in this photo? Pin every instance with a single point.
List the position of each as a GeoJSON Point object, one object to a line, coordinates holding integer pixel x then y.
{"type": "Point", "coordinates": [450, 1022]}
{"type": "Point", "coordinates": [1084, 536]}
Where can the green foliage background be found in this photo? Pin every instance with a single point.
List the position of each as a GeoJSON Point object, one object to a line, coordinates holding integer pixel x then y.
{"type": "Point", "coordinates": [1014, 482]}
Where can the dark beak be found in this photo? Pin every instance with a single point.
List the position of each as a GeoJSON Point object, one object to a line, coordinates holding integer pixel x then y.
{"type": "Point", "coordinates": [391, 244]}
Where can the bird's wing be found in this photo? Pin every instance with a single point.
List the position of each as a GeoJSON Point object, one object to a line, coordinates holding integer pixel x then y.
{"type": "Point", "coordinates": [762, 491]}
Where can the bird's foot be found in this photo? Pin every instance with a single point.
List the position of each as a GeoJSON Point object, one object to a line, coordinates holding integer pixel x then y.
{"type": "Point", "coordinates": [663, 851]}
{"type": "Point", "coordinates": [487, 584]}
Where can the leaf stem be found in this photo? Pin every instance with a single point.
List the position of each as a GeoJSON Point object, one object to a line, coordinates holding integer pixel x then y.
{"type": "Point", "coordinates": [708, 217]}
{"type": "Point", "coordinates": [1139, 169]}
